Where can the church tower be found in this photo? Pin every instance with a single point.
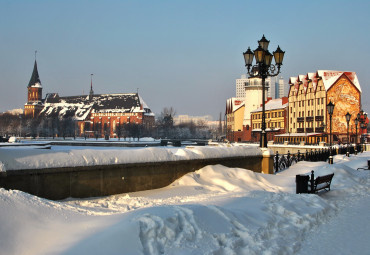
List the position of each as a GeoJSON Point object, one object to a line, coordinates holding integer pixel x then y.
{"type": "Point", "coordinates": [34, 94]}
{"type": "Point", "coordinates": [91, 94]}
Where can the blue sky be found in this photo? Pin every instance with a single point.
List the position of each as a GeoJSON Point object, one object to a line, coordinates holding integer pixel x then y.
{"type": "Point", "coordinates": [184, 54]}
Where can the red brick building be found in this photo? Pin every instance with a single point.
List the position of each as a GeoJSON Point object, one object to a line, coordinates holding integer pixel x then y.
{"type": "Point", "coordinates": [94, 114]}
{"type": "Point", "coordinates": [34, 94]}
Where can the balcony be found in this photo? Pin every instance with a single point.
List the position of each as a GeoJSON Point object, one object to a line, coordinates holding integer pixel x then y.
{"type": "Point", "coordinates": [309, 119]}
{"type": "Point", "coordinates": [300, 119]}
{"type": "Point", "coordinates": [309, 130]}
{"type": "Point", "coordinates": [319, 118]}
{"type": "Point", "coordinates": [319, 129]}
{"type": "Point", "coordinates": [300, 130]}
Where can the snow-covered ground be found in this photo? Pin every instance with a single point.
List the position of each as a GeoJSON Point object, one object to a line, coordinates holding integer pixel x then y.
{"type": "Point", "coordinates": [215, 210]}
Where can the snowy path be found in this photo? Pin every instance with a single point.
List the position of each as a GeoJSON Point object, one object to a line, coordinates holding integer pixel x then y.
{"type": "Point", "coordinates": [350, 229]}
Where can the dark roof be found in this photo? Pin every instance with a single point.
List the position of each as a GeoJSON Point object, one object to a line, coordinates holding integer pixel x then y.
{"type": "Point", "coordinates": [79, 107]}
{"type": "Point", "coordinates": [35, 76]}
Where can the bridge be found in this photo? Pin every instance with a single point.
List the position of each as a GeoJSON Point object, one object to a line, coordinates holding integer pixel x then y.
{"type": "Point", "coordinates": [178, 142]}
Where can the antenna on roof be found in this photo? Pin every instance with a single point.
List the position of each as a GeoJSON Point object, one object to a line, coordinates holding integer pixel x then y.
{"type": "Point", "coordinates": [35, 54]}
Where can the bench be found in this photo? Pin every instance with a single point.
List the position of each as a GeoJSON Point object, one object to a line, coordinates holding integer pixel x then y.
{"type": "Point", "coordinates": [320, 183]}
{"type": "Point", "coordinates": [368, 166]}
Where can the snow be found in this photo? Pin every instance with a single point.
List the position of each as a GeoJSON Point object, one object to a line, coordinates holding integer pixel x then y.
{"type": "Point", "coordinates": [37, 85]}
{"type": "Point", "coordinates": [330, 77]}
{"type": "Point", "coordinates": [273, 104]}
{"type": "Point", "coordinates": [215, 210]}
{"type": "Point", "coordinates": [18, 158]}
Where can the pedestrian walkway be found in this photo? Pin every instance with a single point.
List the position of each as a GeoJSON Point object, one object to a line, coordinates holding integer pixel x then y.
{"type": "Point", "coordinates": [346, 233]}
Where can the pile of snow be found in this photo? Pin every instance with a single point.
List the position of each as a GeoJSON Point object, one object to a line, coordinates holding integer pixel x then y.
{"type": "Point", "coordinates": [16, 158]}
{"type": "Point", "coordinates": [215, 210]}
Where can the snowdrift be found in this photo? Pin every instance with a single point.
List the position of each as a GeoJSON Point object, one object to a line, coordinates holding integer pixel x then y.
{"type": "Point", "coordinates": [215, 210]}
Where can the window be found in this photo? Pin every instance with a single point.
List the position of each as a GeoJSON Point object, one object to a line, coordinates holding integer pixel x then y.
{"type": "Point", "coordinates": [322, 112]}
{"type": "Point", "coordinates": [322, 100]}
{"type": "Point", "coordinates": [308, 102]}
{"type": "Point", "coordinates": [302, 103]}
{"type": "Point", "coordinates": [318, 112]}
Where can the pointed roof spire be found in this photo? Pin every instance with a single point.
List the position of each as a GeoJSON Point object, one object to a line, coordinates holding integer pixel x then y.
{"type": "Point", "coordinates": [91, 89]}
{"type": "Point", "coordinates": [35, 78]}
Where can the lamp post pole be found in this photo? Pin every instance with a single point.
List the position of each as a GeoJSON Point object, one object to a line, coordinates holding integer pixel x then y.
{"type": "Point", "coordinates": [263, 69]}
{"type": "Point", "coordinates": [356, 123]}
{"type": "Point", "coordinates": [348, 118]}
{"type": "Point", "coordinates": [362, 116]}
{"type": "Point", "coordinates": [330, 108]}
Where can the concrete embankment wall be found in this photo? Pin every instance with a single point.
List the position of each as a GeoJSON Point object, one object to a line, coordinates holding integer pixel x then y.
{"type": "Point", "coordinates": [284, 149]}
{"type": "Point", "coordinates": [103, 180]}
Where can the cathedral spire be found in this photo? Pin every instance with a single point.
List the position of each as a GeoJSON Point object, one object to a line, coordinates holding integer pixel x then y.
{"type": "Point", "coordinates": [35, 78]}
{"type": "Point", "coordinates": [91, 90]}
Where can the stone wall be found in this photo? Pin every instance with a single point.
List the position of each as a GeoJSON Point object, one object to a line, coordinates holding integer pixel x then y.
{"type": "Point", "coordinates": [94, 181]}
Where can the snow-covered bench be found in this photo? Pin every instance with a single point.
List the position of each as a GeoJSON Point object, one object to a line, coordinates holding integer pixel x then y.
{"type": "Point", "coordinates": [368, 166]}
{"type": "Point", "coordinates": [321, 182]}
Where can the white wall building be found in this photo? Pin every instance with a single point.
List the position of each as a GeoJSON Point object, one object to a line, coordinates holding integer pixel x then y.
{"type": "Point", "coordinates": [253, 97]}
{"type": "Point", "coordinates": [282, 90]}
{"type": "Point", "coordinates": [186, 119]}
{"type": "Point", "coordinates": [240, 86]}
{"type": "Point", "coordinates": [240, 83]}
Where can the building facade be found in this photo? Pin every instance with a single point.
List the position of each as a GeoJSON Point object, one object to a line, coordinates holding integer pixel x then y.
{"type": "Point", "coordinates": [96, 115]}
{"type": "Point", "coordinates": [34, 103]}
{"type": "Point", "coordinates": [234, 119]}
{"type": "Point", "coordinates": [276, 119]}
{"type": "Point", "coordinates": [308, 119]}
{"type": "Point", "coordinates": [239, 86]}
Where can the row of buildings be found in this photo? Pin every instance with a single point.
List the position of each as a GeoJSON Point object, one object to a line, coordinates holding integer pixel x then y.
{"type": "Point", "coordinates": [302, 115]}
{"type": "Point", "coordinates": [97, 115]}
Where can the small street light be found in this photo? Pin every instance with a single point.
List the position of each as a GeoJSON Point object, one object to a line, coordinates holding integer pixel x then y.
{"type": "Point", "coordinates": [348, 118]}
{"type": "Point", "coordinates": [330, 107]}
{"type": "Point", "coordinates": [263, 69]}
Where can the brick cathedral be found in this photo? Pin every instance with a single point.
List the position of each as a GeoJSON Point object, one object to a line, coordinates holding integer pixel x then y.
{"type": "Point", "coordinates": [95, 114]}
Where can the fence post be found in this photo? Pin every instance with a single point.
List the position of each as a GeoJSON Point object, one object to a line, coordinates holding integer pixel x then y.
{"type": "Point", "coordinates": [307, 156]}
{"type": "Point", "coordinates": [288, 159]}
{"type": "Point", "coordinates": [312, 181]}
{"type": "Point", "coordinates": [277, 162]}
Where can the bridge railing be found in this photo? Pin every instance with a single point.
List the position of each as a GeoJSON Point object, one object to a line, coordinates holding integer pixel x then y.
{"type": "Point", "coordinates": [283, 161]}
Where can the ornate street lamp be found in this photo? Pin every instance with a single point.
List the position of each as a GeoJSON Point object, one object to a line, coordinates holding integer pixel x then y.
{"type": "Point", "coordinates": [263, 69]}
{"type": "Point", "coordinates": [348, 118]}
{"type": "Point", "coordinates": [362, 116]}
{"type": "Point", "coordinates": [330, 107]}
